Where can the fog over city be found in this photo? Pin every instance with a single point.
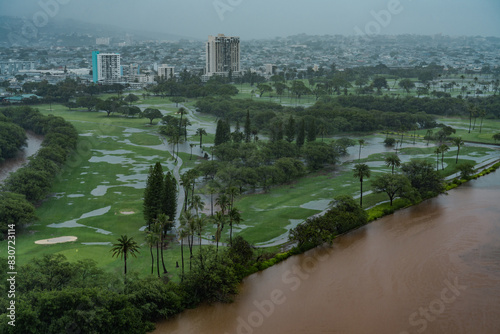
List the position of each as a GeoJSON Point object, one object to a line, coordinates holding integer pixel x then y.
{"type": "Point", "coordinates": [266, 19]}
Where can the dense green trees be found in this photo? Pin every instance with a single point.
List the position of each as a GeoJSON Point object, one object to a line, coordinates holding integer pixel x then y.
{"type": "Point", "coordinates": [15, 209]}
{"type": "Point", "coordinates": [393, 185]}
{"type": "Point", "coordinates": [344, 215]}
{"type": "Point", "coordinates": [427, 181]}
{"type": "Point", "coordinates": [12, 139]}
{"type": "Point", "coordinates": [152, 114]}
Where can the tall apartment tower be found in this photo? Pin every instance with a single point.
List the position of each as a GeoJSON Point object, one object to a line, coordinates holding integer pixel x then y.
{"type": "Point", "coordinates": [166, 72]}
{"type": "Point", "coordinates": [106, 67]}
{"type": "Point", "coordinates": [223, 55]}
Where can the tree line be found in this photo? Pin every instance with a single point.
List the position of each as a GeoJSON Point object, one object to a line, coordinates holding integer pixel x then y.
{"type": "Point", "coordinates": [12, 138]}
{"type": "Point", "coordinates": [31, 183]}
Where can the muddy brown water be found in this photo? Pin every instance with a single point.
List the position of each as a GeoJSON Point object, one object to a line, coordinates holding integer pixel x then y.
{"type": "Point", "coordinates": [8, 166]}
{"type": "Point", "coordinates": [431, 268]}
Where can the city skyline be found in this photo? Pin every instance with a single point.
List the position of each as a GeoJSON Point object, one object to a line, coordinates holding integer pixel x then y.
{"type": "Point", "coordinates": [259, 19]}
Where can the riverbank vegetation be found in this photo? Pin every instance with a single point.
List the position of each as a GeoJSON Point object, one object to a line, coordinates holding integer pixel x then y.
{"type": "Point", "coordinates": [32, 183]}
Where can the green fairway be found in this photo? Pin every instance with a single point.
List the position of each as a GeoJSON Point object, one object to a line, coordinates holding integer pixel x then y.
{"type": "Point", "coordinates": [98, 197]}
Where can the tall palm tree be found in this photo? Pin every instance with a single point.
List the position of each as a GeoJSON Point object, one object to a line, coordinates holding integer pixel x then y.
{"type": "Point", "coordinates": [191, 145]}
{"type": "Point", "coordinates": [182, 111]}
{"type": "Point", "coordinates": [428, 135]}
{"type": "Point", "coordinates": [443, 148]}
{"type": "Point", "coordinates": [361, 171]}
{"type": "Point", "coordinates": [197, 204]}
{"type": "Point", "coordinates": [220, 220]}
{"type": "Point", "coordinates": [151, 241]}
{"type": "Point", "coordinates": [223, 202]}
{"type": "Point", "coordinates": [165, 224]}
{"type": "Point", "coordinates": [188, 224]}
{"type": "Point", "coordinates": [392, 160]}
{"type": "Point", "coordinates": [232, 192]}
{"type": "Point", "coordinates": [201, 132]}
{"type": "Point", "coordinates": [183, 233]}
{"type": "Point", "coordinates": [157, 231]}
{"type": "Point", "coordinates": [437, 151]}
{"type": "Point", "coordinates": [186, 181]}
{"type": "Point", "coordinates": [200, 223]}
{"type": "Point", "coordinates": [361, 144]}
{"type": "Point", "coordinates": [459, 143]}
{"type": "Point", "coordinates": [234, 217]}
{"type": "Point", "coordinates": [123, 247]}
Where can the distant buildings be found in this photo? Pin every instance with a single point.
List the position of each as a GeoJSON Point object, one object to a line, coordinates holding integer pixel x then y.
{"type": "Point", "coordinates": [102, 41]}
{"type": "Point", "coordinates": [223, 56]}
{"type": "Point", "coordinates": [106, 67]}
{"type": "Point", "coordinates": [166, 72]}
{"type": "Point", "coordinates": [130, 72]}
{"type": "Point", "coordinates": [13, 67]}
{"type": "Point", "coordinates": [271, 69]}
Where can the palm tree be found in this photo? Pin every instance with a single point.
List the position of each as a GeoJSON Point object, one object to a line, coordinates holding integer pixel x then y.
{"type": "Point", "coordinates": [157, 231]}
{"type": "Point", "coordinates": [361, 171]}
{"type": "Point", "coordinates": [201, 132]}
{"type": "Point", "coordinates": [191, 145]}
{"type": "Point", "coordinates": [361, 144]}
{"type": "Point", "coordinates": [459, 143]}
{"type": "Point", "coordinates": [187, 223]}
{"type": "Point", "coordinates": [186, 181]}
{"type": "Point", "coordinates": [443, 148]}
{"type": "Point", "coordinates": [437, 151]}
{"type": "Point", "coordinates": [220, 220]}
{"type": "Point", "coordinates": [223, 202]}
{"type": "Point", "coordinates": [200, 223]}
{"type": "Point", "coordinates": [234, 217]}
{"type": "Point", "coordinates": [182, 111]}
{"type": "Point", "coordinates": [182, 234]}
{"type": "Point", "coordinates": [392, 160]}
{"type": "Point", "coordinates": [165, 225]}
{"type": "Point", "coordinates": [123, 247]}
{"type": "Point", "coordinates": [151, 241]}
{"type": "Point", "coordinates": [232, 192]}
{"type": "Point", "coordinates": [197, 204]}
{"type": "Point", "coordinates": [428, 135]}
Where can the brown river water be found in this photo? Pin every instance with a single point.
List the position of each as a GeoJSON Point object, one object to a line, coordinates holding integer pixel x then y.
{"type": "Point", "coordinates": [431, 268]}
{"type": "Point", "coordinates": [8, 166]}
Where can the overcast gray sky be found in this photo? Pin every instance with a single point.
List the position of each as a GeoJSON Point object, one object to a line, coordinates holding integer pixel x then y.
{"type": "Point", "coordinates": [270, 18]}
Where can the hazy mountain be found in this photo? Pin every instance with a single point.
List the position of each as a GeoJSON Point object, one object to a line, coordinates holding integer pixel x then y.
{"type": "Point", "coordinates": [70, 32]}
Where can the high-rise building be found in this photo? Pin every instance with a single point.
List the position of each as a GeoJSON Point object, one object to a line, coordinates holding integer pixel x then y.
{"type": "Point", "coordinates": [223, 55]}
{"type": "Point", "coordinates": [106, 67]}
{"type": "Point", "coordinates": [165, 72]}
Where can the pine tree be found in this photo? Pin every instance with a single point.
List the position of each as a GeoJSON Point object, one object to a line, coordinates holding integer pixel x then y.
{"type": "Point", "coordinates": [248, 128]}
{"type": "Point", "coordinates": [290, 129]}
{"type": "Point", "coordinates": [311, 131]}
{"type": "Point", "coordinates": [222, 133]}
{"type": "Point", "coordinates": [170, 199]}
{"type": "Point", "coordinates": [153, 194]}
{"type": "Point", "coordinates": [301, 134]}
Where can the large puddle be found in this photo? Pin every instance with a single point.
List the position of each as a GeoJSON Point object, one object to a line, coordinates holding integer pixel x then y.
{"type": "Point", "coordinates": [74, 222]}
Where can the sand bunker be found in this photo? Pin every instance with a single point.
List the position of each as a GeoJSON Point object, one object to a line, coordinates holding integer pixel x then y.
{"type": "Point", "coordinates": [127, 212]}
{"type": "Point", "coordinates": [55, 240]}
